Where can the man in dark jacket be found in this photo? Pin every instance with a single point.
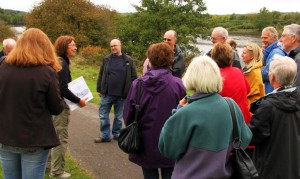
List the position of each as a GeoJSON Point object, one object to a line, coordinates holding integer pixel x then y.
{"type": "Point", "coordinates": [178, 66]}
{"type": "Point", "coordinates": [290, 40]}
{"type": "Point", "coordinates": [275, 124]}
{"type": "Point", "coordinates": [115, 77]}
{"type": "Point", "coordinates": [220, 35]}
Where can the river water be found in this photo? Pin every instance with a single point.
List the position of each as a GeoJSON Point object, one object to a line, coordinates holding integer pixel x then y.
{"type": "Point", "coordinates": [204, 44]}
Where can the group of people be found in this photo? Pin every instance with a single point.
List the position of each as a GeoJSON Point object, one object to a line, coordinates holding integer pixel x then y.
{"type": "Point", "coordinates": [190, 136]}
{"type": "Point", "coordinates": [184, 136]}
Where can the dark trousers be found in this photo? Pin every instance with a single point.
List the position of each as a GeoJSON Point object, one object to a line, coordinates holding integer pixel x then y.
{"type": "Point", "coordinates": [152, 173]}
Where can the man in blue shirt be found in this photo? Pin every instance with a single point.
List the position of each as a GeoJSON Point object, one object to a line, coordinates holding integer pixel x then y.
{"type": "Point", "coordinates": [269, 38]}
{"type": "Point", "coordinates": [115, 77]}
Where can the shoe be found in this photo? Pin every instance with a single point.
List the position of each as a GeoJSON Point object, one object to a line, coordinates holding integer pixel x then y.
{"type": "Point", "coordinates": [116, 137]}
{"type": "Point", "coordinates": [63, 175]}
{"type": "Point", "coordinates": [101, 140]}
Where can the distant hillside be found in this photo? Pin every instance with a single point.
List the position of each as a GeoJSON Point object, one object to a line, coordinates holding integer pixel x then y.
{"type": "Point", "coordinates": [12, 17]}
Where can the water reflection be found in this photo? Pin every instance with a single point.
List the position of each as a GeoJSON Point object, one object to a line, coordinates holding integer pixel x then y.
{"type": "Point", "coordinates": [204, 44]}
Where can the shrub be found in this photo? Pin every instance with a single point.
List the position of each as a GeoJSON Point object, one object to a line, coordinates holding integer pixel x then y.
{"type": "Point", "coordinates": [91, 55]}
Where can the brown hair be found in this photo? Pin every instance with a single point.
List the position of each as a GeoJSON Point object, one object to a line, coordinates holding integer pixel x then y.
{"type": "Point", "coordinates": [33, 49]}
{"type": "Point", "coordinates": [61, 44]}
{"type": "Point", "coordinates": [160, 55]}
{"type": "Point", "coordinates": [222, 54]}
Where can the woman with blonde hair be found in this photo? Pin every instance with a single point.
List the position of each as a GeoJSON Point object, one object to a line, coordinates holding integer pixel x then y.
{"type": "Point", "coordinates": [30, 91]}
{"type": "Point", "coordinates": [252, 56]}
{"type": "Point", "coordinates": [199, 133]}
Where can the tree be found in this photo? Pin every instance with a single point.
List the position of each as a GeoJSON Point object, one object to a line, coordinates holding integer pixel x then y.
{"type": "Point", "coordinates": [153, 17]}
{"type": "Point", "coordinates": [5, 32]}
{"type": "Point", "coordinates": [263, 19]}
{"type": "Point", "coordinates": [88, 23]}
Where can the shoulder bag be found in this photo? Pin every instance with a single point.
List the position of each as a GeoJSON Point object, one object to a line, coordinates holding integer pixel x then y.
{"type": "Point", "coordinates": [242, 165]}
{"type": "Point", "coordinates": [130, 138]}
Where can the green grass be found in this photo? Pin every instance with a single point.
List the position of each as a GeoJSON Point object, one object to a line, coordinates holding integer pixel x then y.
{"type": "Point", "coordinates": [90, 75]}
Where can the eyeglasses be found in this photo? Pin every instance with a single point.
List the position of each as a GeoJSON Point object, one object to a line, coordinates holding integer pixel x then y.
{"type": "Point", "coordinates": [166, 39]}
{"type": "Point", "coordinates": [284, 35]}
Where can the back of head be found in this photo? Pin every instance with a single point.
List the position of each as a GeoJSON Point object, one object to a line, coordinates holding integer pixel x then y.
{"type": "Point", "coordinates": [33, 49]}
{"type": "Point", "coordinates": [231, 42]}
{"type": "Point", "coordinates": [160, 55]}
{"type": "Point", "coordinates": [293, 29]}
{"type": "Point", "coordinates": [222, 54]}
{"type": "Point", "coordinates": [61, 44]}
{"type": "Point", "coordinates": [203, 76]}
{"type": "Point", "coordinates": [284, 69]}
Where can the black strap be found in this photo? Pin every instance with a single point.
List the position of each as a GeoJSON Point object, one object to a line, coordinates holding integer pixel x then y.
{"type": "Point", "coordinates": [236, 136]}
{"type": "Point", "coordinates": [137, 103]}
{"type": "Point", "coordinates": [2, 59]}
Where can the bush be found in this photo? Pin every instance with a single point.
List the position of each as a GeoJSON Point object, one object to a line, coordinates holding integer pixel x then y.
{"type": "Point", "coordinates": [91, 55]}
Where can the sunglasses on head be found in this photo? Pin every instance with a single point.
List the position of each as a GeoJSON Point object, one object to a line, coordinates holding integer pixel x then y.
{"type": "Point", "coordinates": [165, 39]}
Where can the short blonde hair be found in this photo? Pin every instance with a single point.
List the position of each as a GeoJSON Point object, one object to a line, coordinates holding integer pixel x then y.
{"type": "Point", "coordinates": [284, 69]}
{"type": "Point", "coordinates": [33, 49]}
{"type": "Point", "coordinates": [203, 76]}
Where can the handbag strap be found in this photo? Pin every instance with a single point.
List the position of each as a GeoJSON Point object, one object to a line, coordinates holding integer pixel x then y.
{"type": "Point", "coordinates": [237, 141]}
{"type": "Point", "coordinates": [137, 103]}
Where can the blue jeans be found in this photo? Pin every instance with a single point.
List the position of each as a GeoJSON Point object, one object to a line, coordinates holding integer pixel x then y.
{"type": "Point", "coordinates": [106, 103]}
{"type": "Point", "coordinates": [25, 165]}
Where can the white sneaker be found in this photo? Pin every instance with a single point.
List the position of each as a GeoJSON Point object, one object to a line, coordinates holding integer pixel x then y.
{"type": "Point", "coordinates": [63, 175]}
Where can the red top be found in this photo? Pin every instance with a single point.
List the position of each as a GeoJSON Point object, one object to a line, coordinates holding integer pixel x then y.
{"type": "Point", "coordinates": [236, 86]}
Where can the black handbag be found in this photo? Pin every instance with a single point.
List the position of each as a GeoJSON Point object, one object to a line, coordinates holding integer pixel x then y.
{"type": "Point", "coordinates": [242, 165]}
{"type": "Point", "coordinates": [130, 138]}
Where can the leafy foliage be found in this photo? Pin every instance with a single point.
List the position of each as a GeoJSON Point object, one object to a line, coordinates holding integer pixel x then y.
{"type": "Point", "coordinates": [90, 24]}
{"type": "Point", "coordinates": [12, 17]}
{"type": "Point", "coordinates": [5, 32]}
{"type": "Point", "coordinates": [154, 17]}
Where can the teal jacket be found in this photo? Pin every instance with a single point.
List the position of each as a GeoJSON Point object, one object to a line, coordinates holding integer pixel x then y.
{"type": "Point", "coordinates": [199, 137]}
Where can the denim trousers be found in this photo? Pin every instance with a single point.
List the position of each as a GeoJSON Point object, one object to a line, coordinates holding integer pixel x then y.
{"type": "Point", "coordinates": [57, 154]}
{"type": "Point", "coordinates": [24, 165]}
{"type": "Point", "coordinates": [153, 173]}
{"type": "Point", "coordinates": [106, 103]}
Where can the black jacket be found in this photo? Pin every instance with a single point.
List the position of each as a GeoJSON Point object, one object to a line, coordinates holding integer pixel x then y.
{"type": "Point", "coordinates": [131, 75]}
{"type": "Point", "coordinates": [64, 76]}
{"type": "Point", "coordinates": [276, 134]}
{"type": "Point", "coordinates": [29, 96]}
{"type": "Point", "coordinates": [178, 66]}
{"type": "Point", "coordinates": [295, 54]}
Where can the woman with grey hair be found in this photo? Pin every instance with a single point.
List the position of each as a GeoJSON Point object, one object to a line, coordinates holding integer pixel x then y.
{"type": "Point", "coordinates": [199, 133]}
{"type": "Point", "coordinates": [275, 124]}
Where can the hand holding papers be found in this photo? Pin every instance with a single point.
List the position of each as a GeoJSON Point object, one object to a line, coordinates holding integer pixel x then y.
{"type": "Point", "coordinates": [81, 90]}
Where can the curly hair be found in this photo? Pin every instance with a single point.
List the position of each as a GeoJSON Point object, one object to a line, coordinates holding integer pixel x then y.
{"type": "Point", "coordinates": [222, 54]}
{"type": "Point", "coordinates": [160, 55]}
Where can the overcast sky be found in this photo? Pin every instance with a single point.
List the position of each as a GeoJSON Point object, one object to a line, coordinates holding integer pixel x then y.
{"type": "Point", "coordinates": [213, 6]}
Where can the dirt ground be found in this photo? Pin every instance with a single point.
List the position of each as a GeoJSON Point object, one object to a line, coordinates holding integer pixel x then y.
{"type": "Point", "coordinates": [102, 160]}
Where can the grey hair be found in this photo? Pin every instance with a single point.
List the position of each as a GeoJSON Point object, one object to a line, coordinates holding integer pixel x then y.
{"type": "Point", "coordinates": [222, 31]}
{"type": "Point", "coordinates": [197, 73]}
{"type": "Point", "coordinates": [284, 69]}
{"type": "Point", "coordinates": [174, 32]}
{"type": "Point", "coordinates": [8, 42]}
{"type": "Point", "coordinates": [293, 29]}
{"type": "Point", "coordinates": [272, 30]}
